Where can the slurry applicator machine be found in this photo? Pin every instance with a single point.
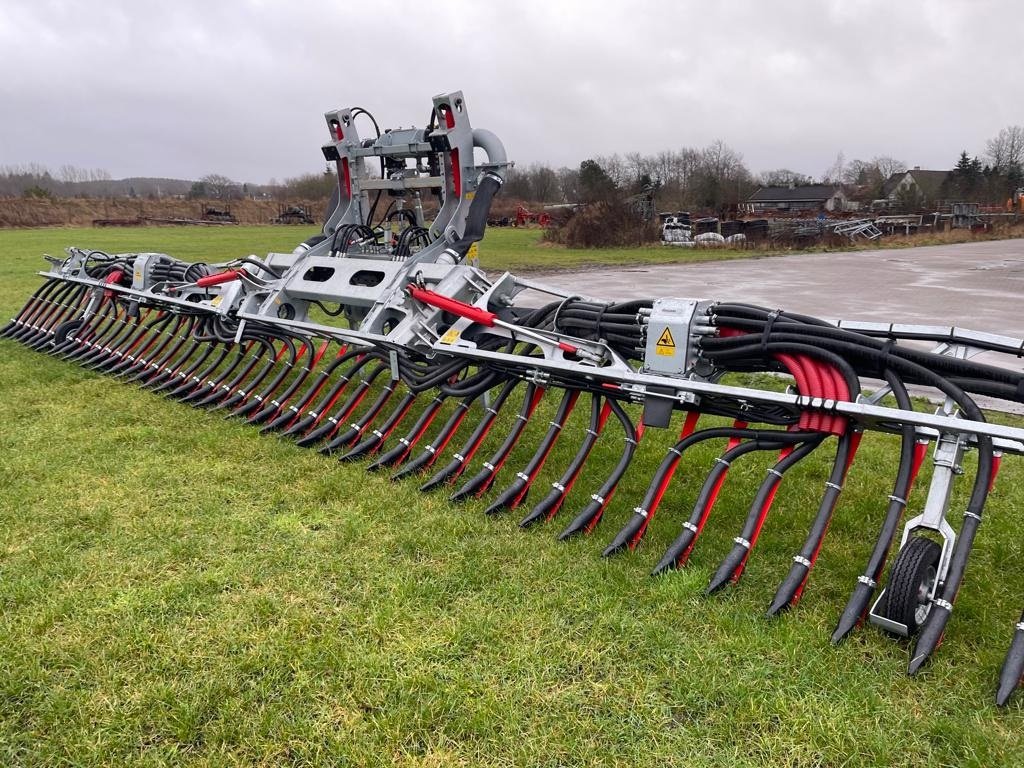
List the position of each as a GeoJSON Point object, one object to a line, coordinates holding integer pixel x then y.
{"type": "Point", "coordinates": [380, 340]}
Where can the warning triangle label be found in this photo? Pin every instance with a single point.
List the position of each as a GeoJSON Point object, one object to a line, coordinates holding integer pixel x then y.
{"type": "Point", "coordinates": [665, 340]}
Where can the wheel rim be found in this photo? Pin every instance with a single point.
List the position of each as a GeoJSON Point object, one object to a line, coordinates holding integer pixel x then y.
{"type": "Point", "coordinates": [924, 590]}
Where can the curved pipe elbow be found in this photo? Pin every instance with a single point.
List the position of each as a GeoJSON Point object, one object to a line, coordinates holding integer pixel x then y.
{"type": "Point", "coordinates": [491, 144]}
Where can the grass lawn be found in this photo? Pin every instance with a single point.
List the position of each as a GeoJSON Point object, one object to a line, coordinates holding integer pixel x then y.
{"type": "Point", "coordinates": [178, 590]}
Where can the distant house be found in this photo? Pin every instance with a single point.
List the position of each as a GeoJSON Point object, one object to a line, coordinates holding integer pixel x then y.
{"type": "Point", "coordinates": [809, 197]}
{"type": "Point", "coordinates": [916, 188]}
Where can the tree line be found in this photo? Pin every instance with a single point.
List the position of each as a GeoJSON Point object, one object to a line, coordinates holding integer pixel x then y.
{"type": "Point", "coordinates": [713, 177]}
{"type": "Point", "coordinates": [716, 176]}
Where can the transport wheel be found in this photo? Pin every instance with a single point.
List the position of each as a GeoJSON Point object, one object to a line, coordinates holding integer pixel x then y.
{"type": "Point", "coordinates": [911, 581]}
{"type": "Point", "coordinates": [61, 332]}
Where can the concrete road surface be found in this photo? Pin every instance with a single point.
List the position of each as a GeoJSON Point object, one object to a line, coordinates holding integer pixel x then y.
{"type": "Point", "coordinates": [975, 285]}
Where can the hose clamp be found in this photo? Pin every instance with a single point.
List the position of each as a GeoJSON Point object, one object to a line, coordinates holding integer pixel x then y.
{"type": "Point", "coordinates": [690, 526]}
{"type": "Point", "coordinates": [676, 451]}
{"type": "Point", "coordinates": [867, 580]}
{"type": "Point", "coordinates": [592, 432]}
{"type": "Point", "coordinates": [558, 487]}
{"type": "Point", "coordinates": [314, 414]}
{"type": "Point", "coordinates": [598, 499]}
{"type": "Point", "coordinates": [802, 560]}
{"type": "Point", "coordinates": [522, 476]}
{"type": "Point", "coordinates": [488, 466]}
{"type": "Point", "coordinates": [742, 542]}
{"type": "Point", "coordinates": [1020, 626]}
{"type": "Point", "coordinates": [973, 515]}
{"type": "Point", "coordinates": [555, 424]}
{"type": "Point", "coordinates": [832, 485]}
{"type": "Point", "coordinates": [722, 461]}
{"type": "Point", "coordinates": [432, 450]}
{"type": "Point", "coordinates": [459, 458]}
{"type": "Point", "coordinates": [355, 426]}
{"type": "Point", "coordinates": [944, 604]}
{"type": "Point", "coordinates": [404, 442]}
{"type": "Point", "coordinates": [641, 511]}
{"type": "Point", "coordinates": [378, 433]}
{"type": "Point", "coordinates": [897, 500]}
{"type": "Point", "coordinates": [773, 471]}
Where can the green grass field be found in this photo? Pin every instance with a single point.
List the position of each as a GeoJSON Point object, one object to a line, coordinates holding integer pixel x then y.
{"type": "Point", "coordinates": [178, 590]}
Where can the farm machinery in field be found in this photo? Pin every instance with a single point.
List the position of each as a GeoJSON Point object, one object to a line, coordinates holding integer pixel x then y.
{"type": "Point", "coordinates": [379, 339]}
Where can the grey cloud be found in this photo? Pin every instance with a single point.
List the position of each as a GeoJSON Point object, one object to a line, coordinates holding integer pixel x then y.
{"type": "Point", "coordinates": [234, 87]}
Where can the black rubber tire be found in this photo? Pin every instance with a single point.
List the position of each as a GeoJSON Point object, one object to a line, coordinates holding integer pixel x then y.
{"type": "Point", "coordinates": [909, 582]}
{"type": "Point", "coordinates": [61, 332]}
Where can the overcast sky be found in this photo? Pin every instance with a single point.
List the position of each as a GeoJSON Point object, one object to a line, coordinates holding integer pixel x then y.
{"type": "Point", "coordinates": [184, 88]}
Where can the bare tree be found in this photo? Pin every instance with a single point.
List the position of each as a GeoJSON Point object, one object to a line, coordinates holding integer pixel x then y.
{"type": "Point", "coordinates": [220, 187]}
{"type": "Point", "coordinates": [887, 166]}
{"type": "Point", "coordinates": [544, 182]}
{"type": "Point", "coordinates": [783, 177]}
{"type": "Point", "coordinates": [70, 174]}
{"type": "Point", "coordinates": [569, 183]}
{"type": "Point", "coordinates": [1006, 150]}
{"type": "Point", "coordinates": [834, 173]}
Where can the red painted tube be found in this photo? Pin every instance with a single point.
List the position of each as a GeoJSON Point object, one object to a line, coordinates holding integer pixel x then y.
{"type": "Point", "coordinates": [220, 277]}
{"type": "Point", "coordinates": [797, 372]}
{"type": "Point", "coordinates": [454, 306]}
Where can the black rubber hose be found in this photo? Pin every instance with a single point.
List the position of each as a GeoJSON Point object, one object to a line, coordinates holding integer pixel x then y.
{"type": "Point", "coordinates": [857, 605]}
{"type": "Point", "coordinates": [225, 392]}
{"type": "Point", "coordinates": [38, 295]}
{"type": "Point", "coordinates": [131, 331]}
{"type": "Point", "coordinates": [513, 496]}
{"type": "Point", "coordinates": [187, 379]}
{"type": "Point", "coordinates": [284, 364]}
{"type": "Point", "coordinates": [196, 380]}
{"type": "Point", "coordinates": [151, 331]}
{"type": "Point", "coordinates": [433, 449]}
{"type": "Point", "coordinates": [333, 423]}
{"type": "Point", "coordinates": [211, 386]}
{"type": "Point", "coordinates": [792, 586]}
{"type": "Point", "coordinates": [356, 428]}
{"type": "Point", "coordinates": [684, 542]}
{"type": "Point", "coordinates": [398, 453]}
{"type": "Point", "coordinates": [175, 334]}
{"type": "Point", "coordinates": [550, 504]}
{"type": "Point", "coordinates": [592, 512]}
{"type": "Point", "coordinates": [476, 217]}
{"type": "Point", "coordinates": [645, 511]}
{"type": "Point", "coordinates": [458, 463]}
{"type": "Point", "coordinates": [859, 345]}
{"type": "Point", "coordinates": [305, 363]}
{"type": "Point", "coordinates": [310, 415]}
{"type": "Point", "coordinates": [931, 632]}
{"type": "Point", "coordinates": [379, 435]}
{"type": "Point", "coordinates": [1013, 666]}
{"type": "Point", "coordinates": [481, 481]}
{"type": "Point", "coordinates": [733, 562]}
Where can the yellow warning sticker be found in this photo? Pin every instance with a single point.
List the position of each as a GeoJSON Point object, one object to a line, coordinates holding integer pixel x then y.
{"type": "Point", "coordinates": [450, 336]}
{"type": "Point", "coordinates": [216, 300]}
{"type": "Point", "coordinates": [473, 252]}
{"type": "Point", "coordinates": [665, 345]}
